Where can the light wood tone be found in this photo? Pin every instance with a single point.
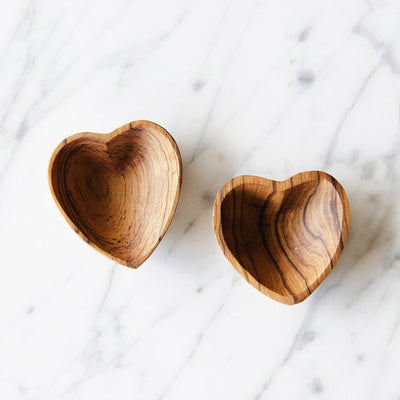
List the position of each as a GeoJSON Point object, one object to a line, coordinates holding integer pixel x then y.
{"type": "Point", "coordinates": [118, 191]}
{"type": "Point", "coordinates": [283, 237]}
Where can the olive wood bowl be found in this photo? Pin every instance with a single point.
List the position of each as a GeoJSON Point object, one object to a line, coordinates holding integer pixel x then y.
{"type": "Point", "coordinates": [282, 237]}
{"type": "Point", "coordinates": [118, 191]}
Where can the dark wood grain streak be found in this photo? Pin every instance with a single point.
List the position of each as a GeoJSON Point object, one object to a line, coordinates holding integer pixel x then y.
{"type": "Point", "coordinates": [118, 191]}
{"type": "Point", "coordinates": [283, 237]}
{"type": "Point", "coordinates": [265, 240]}
{"type": "Point", "coordinates": [280, 232]}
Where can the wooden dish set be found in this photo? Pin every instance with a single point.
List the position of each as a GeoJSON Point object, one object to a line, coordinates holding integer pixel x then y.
{"type": "Point", "coordinates": [119, 192]}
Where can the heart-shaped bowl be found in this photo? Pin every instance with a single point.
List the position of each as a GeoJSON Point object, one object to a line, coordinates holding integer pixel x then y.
{"type": "Point", "coordinates": [283, 237]}
{"type": "Point", "coordinates": [118, 191]}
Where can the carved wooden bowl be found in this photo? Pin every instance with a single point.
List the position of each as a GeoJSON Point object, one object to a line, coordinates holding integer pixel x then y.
{"type": "Point", "coordinates": [118, 191]}
{"type": "Point", "coordinates": [283, 237]}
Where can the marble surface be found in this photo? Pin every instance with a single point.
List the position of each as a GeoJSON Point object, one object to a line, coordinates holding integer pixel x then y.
{"type": "Point", "coordinates": [268, 88]}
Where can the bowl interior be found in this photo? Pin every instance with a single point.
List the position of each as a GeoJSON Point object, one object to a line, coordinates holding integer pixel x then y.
{"type": "Point", "coordinates": [287, 237]}
{"type": "Point", "coordinates": [119, 193]}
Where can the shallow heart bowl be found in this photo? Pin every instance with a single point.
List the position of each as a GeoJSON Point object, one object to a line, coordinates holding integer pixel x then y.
{"type": "Point", "coordinates": [283, 237]}
{"type": "Point", "coordinates": [118, 191]}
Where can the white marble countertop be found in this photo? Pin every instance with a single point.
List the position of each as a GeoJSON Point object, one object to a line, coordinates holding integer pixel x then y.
{"type": "Point", "coordinates": [268, 88]}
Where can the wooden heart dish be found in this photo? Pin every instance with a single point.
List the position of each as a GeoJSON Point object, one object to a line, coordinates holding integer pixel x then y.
{"type": "Point", "coordinates": [118, 191]}
{"type": "Point", "coordinates": [283, 237]}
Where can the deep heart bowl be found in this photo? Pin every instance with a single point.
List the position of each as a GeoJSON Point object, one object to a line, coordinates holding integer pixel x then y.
{"type": "Point", "coordinates": [118, 191]}
{"type": "Point", "coordinates": [283, 237]}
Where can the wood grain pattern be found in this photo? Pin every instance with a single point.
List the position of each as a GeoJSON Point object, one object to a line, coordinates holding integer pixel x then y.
{"type": "Point", "coordinates": [118, 191]}
{"type": "Point", "coordinates": [283, 237]}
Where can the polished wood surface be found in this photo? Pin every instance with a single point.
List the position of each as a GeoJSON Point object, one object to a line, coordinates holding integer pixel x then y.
{"type": "Point", "coordinates": [283, 237]}
{"type": "Point", "coordinates": [118, 191]}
